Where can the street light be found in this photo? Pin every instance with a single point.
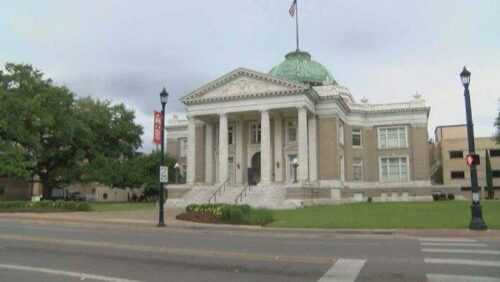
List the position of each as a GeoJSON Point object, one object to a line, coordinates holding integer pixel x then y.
{"type": "Point", "coordinates": [163, 100]}
{"type": "Point", "coordinates": [295, 164]}
{"type": "Point", "coordinates": [477, 221]}
{"type": "Point", "coordinates": [177, 166]}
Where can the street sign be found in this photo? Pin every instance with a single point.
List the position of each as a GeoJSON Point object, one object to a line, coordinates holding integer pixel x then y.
{"type": "Point", "coordinates": [472, 159]}
{"type": "Point", "coordinates": [163, 174]}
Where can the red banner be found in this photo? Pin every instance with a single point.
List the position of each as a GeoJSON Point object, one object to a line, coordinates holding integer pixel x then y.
{"type": "Point", "coordinates": [157, 128]}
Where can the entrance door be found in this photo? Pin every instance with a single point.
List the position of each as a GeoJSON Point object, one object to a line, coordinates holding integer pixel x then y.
{"type": "Point", "coordinates": [231, 171]}
{"type": "Point", "coordinates": [254, 171]}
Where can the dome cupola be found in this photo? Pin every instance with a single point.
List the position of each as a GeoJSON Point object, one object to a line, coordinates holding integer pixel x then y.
{"type": "Point", "coordinates": [299, 67]}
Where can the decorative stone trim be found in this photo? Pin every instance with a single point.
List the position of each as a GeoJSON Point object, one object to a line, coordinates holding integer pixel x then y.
{"type": "Point", "coordinates": [237, 73]}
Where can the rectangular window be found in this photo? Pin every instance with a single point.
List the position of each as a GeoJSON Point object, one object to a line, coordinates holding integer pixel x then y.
{"type": "Point", "coordinates": [255, 131]}
{"type": "Point", "coordinates": [230, 135]}
{"type": "Point", "coordinates": [357, 170]}
{"type": "Point", "coordinates": [457, 175]}
{"type": "Point", "coordinates": [456, 154]}
{"type": "Point", "coordinates": [341, 133]}
{"type": "Point", "coordinates": [495, 173]}
{"type": "Point", "coordinates": [356, 137]}
{"type": "Point", "coordinates": [394, 169]}
{"type": "Point", "coordinates": [291, 131]}
{"type": "Point", "coordinates": [183, 147]}
{"type": "Point", "coordinates": [392, 137]}
{"type": "Point", "coordinates": [494, 152]}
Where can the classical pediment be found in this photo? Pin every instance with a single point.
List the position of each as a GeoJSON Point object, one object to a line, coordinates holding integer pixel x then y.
{"type": "Point", "coordinates": [241, 84]}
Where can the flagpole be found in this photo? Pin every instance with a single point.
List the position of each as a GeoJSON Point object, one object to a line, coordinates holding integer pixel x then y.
{"type": "Point", "coordinates": [297, 22]}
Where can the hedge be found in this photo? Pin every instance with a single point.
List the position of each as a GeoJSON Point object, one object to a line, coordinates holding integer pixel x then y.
{"type": "Point", "coordinates": [45, 205]}
{"type": "Point", "coordinates": [234, 214]}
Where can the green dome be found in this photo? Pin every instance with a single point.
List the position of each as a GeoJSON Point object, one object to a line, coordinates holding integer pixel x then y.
{"type": "Point", "coordinates": [299, 67]}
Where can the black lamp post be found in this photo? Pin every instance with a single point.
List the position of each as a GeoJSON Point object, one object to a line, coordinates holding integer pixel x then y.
{"type": "Point", "coordinates": [295, 164]}
{"type": "Point", "coordinates": [477, 221]}
{"type": "Point", "coordinates": [163, 99]}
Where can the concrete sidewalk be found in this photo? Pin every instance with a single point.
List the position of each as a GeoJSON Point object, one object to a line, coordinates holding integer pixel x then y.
{"type": "Point", "coordinates": [149, 219]}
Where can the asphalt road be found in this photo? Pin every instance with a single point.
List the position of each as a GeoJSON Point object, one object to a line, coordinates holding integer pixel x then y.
{"type": "Point", "coordinates": [47, 252]}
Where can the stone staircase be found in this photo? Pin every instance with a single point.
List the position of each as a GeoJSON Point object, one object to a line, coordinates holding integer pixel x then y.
{"type": "Point", "coordinates": [199, 194]}
{"type": "Point", "coordinates": [271, 197]}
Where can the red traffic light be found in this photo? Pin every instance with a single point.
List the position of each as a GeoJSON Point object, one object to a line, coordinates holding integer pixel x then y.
{"type": "Point", "coordinates": [472, 159]}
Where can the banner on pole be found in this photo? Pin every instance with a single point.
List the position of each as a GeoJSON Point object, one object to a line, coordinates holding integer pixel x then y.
{"type": "Point", "coordinates": [157, 128]}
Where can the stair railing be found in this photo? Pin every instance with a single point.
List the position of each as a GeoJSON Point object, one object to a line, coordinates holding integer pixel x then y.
{"type": "Point", "coordinates": [242, 194]}
{"type": "Point", "coordinates": [219, 191]}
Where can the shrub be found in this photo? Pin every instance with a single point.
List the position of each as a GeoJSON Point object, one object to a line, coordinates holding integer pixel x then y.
{"type": "Point", "coordinates": [47, 205]}
{"type": "Point", "coordinates": [234, 214]}
{"type": "Point", "coordinates": [260, 217]}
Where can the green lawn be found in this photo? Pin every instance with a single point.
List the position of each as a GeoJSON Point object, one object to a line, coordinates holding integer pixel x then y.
{"type": "Point", "coordinates": [450, 214]}
{"type": "Point", "coordinates": [100, 207]}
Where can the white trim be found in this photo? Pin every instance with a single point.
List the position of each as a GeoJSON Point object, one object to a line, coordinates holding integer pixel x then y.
{"type": "Point", "coordinates": [341, 131]}
{"type": "Point", "coordinates": [380, 178]}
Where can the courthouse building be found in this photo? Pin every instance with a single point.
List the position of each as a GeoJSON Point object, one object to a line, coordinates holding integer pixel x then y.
{"type": "Point", "coordinates": [250, 127]}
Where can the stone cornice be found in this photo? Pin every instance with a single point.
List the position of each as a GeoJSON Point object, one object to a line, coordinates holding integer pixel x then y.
{"type": "Point", "coordinates": [196, 96]}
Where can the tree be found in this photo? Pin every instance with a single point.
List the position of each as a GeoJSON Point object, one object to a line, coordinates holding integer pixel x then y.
{"type": "Point", "coordinates": [38, 129]}
{"type": "Point", "coordinates": [45, 131]}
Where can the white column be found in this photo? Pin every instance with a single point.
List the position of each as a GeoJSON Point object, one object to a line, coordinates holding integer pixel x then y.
{"type": "Point", "coordinates": [265, 149]}
{"type": "Point", "coordinates": [223, 148]}
{"type": "Point", "coordinates": [209, 153]}
{"type": "Point", "coordinates": [279, 165]}
{"type": "Point", "coordinates": [240, 153]}
{"type": "Point", "coordinates": [303, 169]}
{"type": "Point", "coordinates": [191, 151]}
{"type": "Point", "coordinates": [313, 151]}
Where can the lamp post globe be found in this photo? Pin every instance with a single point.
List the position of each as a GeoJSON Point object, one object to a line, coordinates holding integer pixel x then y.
{"type": "Point", "coordinates": [163, 100]}
{"type": "Point", "coordinates": [477, 221]}
{"type": "Point", "coordinates": [177, 167]}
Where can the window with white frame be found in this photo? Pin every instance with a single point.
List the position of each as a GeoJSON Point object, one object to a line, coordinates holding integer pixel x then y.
{"type": "Point", "coordinates": [230, 134]}
{"type": "Point", "coordinates": [255, 131]}
{"type": "Point", "coordinates": [356, 137]}
{"type": "Point", "coordinates": [341, 133]}
{"type": "Point", "coordinates": [392, 137]}
{"type": "Point", "coordinates": [183, 147]}
{"type": "Point", "coordinates": [394, 169]}
{"type": "Point", "coordinates": [357, 170]}
{"type": "Point", "coordinates": [291, 131]}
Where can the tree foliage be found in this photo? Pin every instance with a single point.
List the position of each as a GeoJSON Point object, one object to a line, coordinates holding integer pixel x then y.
{"type": "Point", "coordinates": [46, 131]}
{"type": "Point", "coordinates": [497, 125]}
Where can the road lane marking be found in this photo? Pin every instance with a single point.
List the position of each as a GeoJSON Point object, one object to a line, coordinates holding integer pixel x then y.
{"type": "Point", "coordinates": [456, 240]}
{"type": "Point", "coordinates": [463, 262]}
{"type": "Point", "coordinates": [173, 251]}
{"type": "Point", "coordinates": [459, 278]}
{"type": "Point", "coordinates": [453, 244]}
{"type": "Point", "coordinates": [344, 270]}
{"type": "Point", "coordinates": [81, 276]}
{"type": "Point", "coordinates": [460, 251]}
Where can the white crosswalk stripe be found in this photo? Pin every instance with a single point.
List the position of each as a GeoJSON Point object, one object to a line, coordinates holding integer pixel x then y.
{"type": "Point", "coordinates": [461, 251]}
{"type": "Point", "coordinates": [459, 278]}
{"type": "Point", "coordinates": [446, 244]}
{"type": "Point", "coordinates": [344, 270]}
{"type": "Point", "coordinates": [443, 250]}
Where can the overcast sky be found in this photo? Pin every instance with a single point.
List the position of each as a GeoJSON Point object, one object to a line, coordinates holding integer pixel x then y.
{"type": "Point", "coordinates": [386, 51]}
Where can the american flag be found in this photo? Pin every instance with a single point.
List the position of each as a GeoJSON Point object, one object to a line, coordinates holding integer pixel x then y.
{"type": "Point", "coordinates": [293, 8]}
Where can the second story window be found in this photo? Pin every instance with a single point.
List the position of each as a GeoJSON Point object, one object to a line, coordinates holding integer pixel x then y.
{"type": "Point", "coordinates": [291, 131]}
{"type": "Point", "coordinates": [255, 132]}
{"type": "Point", "coordinates": [456, 154]}
{"type": "Point", "coordinates": [356, 137]}
{"type": "Point", "coordinates": [183, 147]}
{"type": "Point", "coordinates": [392, 137]}
{"type": "Point", "coordinates": [341, 132]}
{"type": "Point", "coordinates": [494, 152]}
{"type": "Point", "coordinates": [230, 135]}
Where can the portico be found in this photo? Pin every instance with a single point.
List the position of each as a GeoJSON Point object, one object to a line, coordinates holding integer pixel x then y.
{"type": "Point", "coordinates": [255, 147]}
